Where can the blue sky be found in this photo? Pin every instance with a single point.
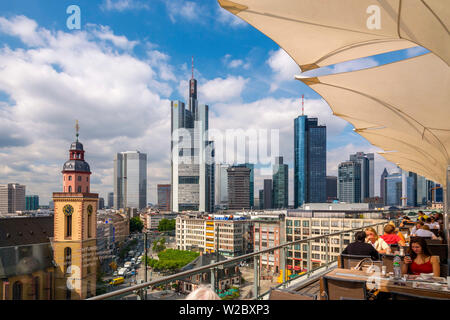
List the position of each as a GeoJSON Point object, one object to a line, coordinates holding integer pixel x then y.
{"type": "Point", "coordinates": [118, 74]}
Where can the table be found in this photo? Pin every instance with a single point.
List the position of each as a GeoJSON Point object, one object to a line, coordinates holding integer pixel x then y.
{"type": "Point", "coordinates": [387, 285]}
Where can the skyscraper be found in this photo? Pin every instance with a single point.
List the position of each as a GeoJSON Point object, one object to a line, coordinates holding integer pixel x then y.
{"type": "Point", "coordinates": [32, 202]}
{"type": "Point", "coordinates": [309, 161]}
{"type": "Point", "coordinates": [251, 166]}
{"type": "Point", "coordinates": [221, 185]}
{"type": "Point", "coordinates": [164, 191]}
{"type": "Point", "coordinates": [421, 190]}
{"type": "Point", "coordinates": [192, 157]}
{"type": "Point", "coordinates": [383, 185]}
{"type": "Point", "coordinates": [238, 188]}
{"type": "Point", "coordinates": [280, 183]}
{"type": "Point", "coordinates": [268, 194]}
{"type": "Point", "coordinates": [130, 180]}
{"type": "Point", "coordinates": [110, 200]}
{"type": "Point", "coordinates": [331, 188]}
{"type": "Point", "coordinates": [393, 189]}
{"type": "Point", "coordinates": [367, 173]}
{"type": "Point", "coordinates": [349, 182]}
{"type": "Point", "coordinates": [12, 198]}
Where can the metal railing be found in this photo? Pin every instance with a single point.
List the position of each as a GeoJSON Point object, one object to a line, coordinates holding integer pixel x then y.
{"type": "Point", "coordinates": [256, 265]}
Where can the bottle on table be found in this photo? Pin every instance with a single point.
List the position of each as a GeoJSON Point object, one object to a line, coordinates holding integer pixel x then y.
{"type": "Point", "coordinates": [397, 267]}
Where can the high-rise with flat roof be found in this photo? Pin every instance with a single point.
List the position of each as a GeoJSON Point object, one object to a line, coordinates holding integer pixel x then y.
{"type": "Point", "coordinates": [192, 156]}
{"type": "Point", "coordinates": [250, 166]}
{"type": "Point", "coordinates": [110, 200]}
{"type": "Point", "coordinates": [268, 194]}
{"type": "Point", "coordinates": [238, 188]}
{"type": "Point", "coordinates": [309, 161]}
{"type": "Point", "coordinates": [130, 180]}
{"type": "Point", "coordinates": [349, 181]}
{"type": "Point", "coordinates": [164, 191]}
{"type": "Point", "coordinates": [331, 188]}
{"type": "Point", "coordinates": [280, 183]}
{"type": "Point", "coordinates": [32, 202]}
{"type": "Point", "coordinates": [366, 161]}
{"type": "Point", "coordinates": [12, 198]}
{"type": "Point", "coordinates": [221, 185]}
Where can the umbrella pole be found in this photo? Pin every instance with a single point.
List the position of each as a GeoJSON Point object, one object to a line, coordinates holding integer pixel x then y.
{"type": "Point", "coordinates": [446, 216]}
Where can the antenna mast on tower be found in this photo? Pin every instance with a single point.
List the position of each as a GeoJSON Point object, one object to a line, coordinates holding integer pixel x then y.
{"type": "Point", "coordinates": [192, 67]}
{"type": "Point", "coordinates": [303, 105]}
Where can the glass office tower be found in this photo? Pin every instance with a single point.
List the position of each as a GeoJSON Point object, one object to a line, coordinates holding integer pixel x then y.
{"type": "Point", "coordinates": [192, 155]}
{"type": "Point", "coordinates": [280, 184]}
{"type": "Point", "coordinates": [309, 161]}
{"type": "Point", "coordinates": [130, 180]}
{"type": "Point", "coordinates": [393, 183]}
{"type": "Point", "coordinates": [349, 182]}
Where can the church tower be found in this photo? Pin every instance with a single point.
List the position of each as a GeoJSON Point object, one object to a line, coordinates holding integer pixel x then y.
{"type": "Point", "coordinates": [75, 225]}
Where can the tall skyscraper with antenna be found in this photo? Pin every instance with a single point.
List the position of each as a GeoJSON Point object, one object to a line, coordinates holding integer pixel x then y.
{"type": "Point", "coordinates": [310, 160]}
{"type": "Point", "coordinates": [192, 156]}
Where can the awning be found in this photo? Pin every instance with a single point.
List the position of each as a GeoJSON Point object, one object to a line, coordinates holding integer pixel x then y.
{"type": "Point", "coordinates": [403, 107]}
{"type": "Point", "coordinates": [318, 33]}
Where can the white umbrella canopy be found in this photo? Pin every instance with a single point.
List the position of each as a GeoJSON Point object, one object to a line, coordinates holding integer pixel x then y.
{"type": "Point", "coordinates": [402, 106]}
{"type": "Point", "coordinates": [317, 33]}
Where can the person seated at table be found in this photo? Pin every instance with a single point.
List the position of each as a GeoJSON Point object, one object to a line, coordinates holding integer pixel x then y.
{"type": "Point", "coordinates": [377, 242]}
{"type": "Point", "coordinates": [390, 237]}
{"type": "Point", "coordinates": [397, 231]}
{"type": "Point", "coordinates": [419, 224]}
{"type": "Point", "coordinates": [424, 232]}
{"type": "Point", "coordinates": [439, 217]}
{"type": "Point", "coordinates": [432, 223]}
{"type": "Point", "coordinates": [361, 248]}
{"type": "Point", "coordinates": [419, 259]}
{"type": "Point", "coordinates": [422, 216]}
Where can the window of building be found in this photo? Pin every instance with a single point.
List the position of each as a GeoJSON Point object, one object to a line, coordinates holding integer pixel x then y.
{"type": "Point", "coordinates": [70, 178]}
{"type": "Point", "coordinates": [36, 288]}
{"type": "Point", "coordinates": [70, 188]}
{"type": "Point", "coordinates": [79, 178]}
{"type": "Point", "coordinates": [297, 223]}
{"type": "Point", "coordinates": [68, 225]}
{"type": "Point", "coordinates": [17, 290]}
{"type": "Point", "coordinates": [79, 188]}
{"type": "Point", "coordinates": [306, 223]}
{"type": "Point", "coordinates": [67, 259]}
{"type": "Point", "coordinates": [289, 223]}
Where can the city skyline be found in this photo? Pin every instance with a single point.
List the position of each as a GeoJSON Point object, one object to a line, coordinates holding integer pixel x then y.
{"type": "Point", "coordinates": [141, 70]}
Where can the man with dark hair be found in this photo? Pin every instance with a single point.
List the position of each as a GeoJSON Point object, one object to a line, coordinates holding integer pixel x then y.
{"type": "Point", "coordinates": [361, 248]}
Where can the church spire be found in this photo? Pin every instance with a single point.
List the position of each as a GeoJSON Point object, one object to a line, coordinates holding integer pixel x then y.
{"type": "Point", "coordinates": [77, 129]}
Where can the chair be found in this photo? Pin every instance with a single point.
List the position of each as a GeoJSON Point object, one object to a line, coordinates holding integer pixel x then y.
{"type": "Point", "coordinates": [349, 261]}
{"type": "Point", "coordinates": [444, 270]}
{"type": "Point", "coordinates": [388, 262]}
{"type": "Point", "coordinates": [277, 294]}
{"type": "Point", "coordinates": [439, 250]}
{"type": "Point", "coordinates": [408, 296]}
{"type": "Point", "coordinates": [344, 289]}
{"type": "Point", "coordinates": [435, 231]}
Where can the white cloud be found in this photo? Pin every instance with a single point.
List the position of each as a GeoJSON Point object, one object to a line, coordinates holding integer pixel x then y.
{"type": "Point", "coordinates": [26, 29]}
{"type": "Point", "coordinates": [159, 61]}
{"type": "Point", "coordinates": [283, 67]}
{"type": "Point", "coordinates": [221, 90]}
{"type": "Point", "coordinates": [184, 9]}
{"type": "Point", "coordinates": [105, 33]}
{"type": "Point", "coordinates": [122, 5]}
{"type": "Point", "coordinates": [118, 99]}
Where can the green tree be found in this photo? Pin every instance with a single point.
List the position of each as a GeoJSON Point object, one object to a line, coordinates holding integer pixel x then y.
{"type": "Point", "coordinates": [136, 224]}
{"type": "Point", "coordinates": [159, 245]}
{"type": "Point", "coordinates": [166, 225]}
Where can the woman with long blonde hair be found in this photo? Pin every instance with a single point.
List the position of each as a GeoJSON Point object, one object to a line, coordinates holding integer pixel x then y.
{"type": "Point", "coordinates": [378, 243]}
